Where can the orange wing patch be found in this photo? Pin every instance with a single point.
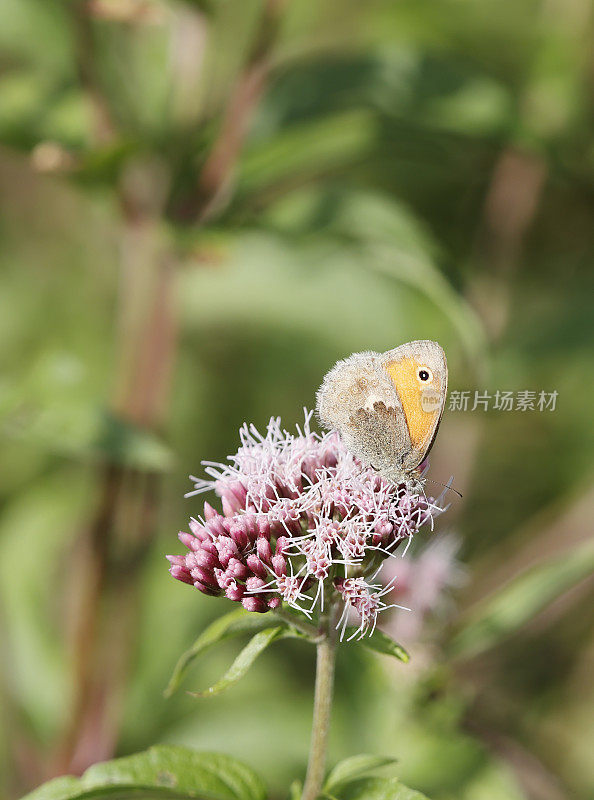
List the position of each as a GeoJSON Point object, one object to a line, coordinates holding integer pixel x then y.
{"type": "Point", "coordinates": [420, 419]}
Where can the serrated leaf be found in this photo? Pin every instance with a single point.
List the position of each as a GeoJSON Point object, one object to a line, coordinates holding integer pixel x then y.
{"type": "Point", "coordinates": [226, 627]}
{"type": "Point", "coordinates": [380, 642]}
{"type": "Point", "coordinates": [246, 658]}
{"type": "Point", "coordinates": [161, 772]}
{"type": "Point", "coordinates": [519, 600]}
{"type": "Point", "coordinates": [379, 789]}
{"type": "Point", "coordinates": [353, 768]}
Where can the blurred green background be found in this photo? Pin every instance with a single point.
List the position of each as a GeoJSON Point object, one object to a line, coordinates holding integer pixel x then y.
{"type": "Point", "coordinates": [204, 204]}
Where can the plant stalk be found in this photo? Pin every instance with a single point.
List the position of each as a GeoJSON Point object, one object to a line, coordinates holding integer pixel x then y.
{"type": "Point", "coordinates": [326, 659]}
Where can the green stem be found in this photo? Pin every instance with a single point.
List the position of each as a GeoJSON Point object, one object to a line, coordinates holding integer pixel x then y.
{"type": "Point", "coordinates": [326, 658]}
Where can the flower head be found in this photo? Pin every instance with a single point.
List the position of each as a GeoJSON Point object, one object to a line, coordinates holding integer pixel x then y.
{"type": "Point", "coordinates": [302, 519]}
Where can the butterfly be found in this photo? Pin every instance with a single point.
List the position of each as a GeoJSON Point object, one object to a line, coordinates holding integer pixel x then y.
{"type": "Point", "coordinates": [387, 406]}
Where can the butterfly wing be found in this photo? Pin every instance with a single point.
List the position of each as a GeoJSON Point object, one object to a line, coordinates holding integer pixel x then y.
{"type": "Point", "coordinates": [419, 374]}
{"type": "Point", "coordinates": [359, 399]}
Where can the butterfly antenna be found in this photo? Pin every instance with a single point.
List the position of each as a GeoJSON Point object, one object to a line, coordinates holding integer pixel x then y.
{"type": "Point", "coordinates": [446, 486]}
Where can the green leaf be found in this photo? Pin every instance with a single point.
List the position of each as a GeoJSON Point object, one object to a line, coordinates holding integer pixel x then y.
{"type": "Point", "coordinates": [353, 768]}
{"type": "Point", "coordinates": [58, 789]}
{"type": "Point", "coordinates": [379, 789]}
{"type": "Point", "coordinates": [161, 772]}
{"type": "Point", "coordinates": [380, 642]}
{"type": "Point", "coordinates": [226, 627]}
{"type": "Point", "coordinates": [246, 658]}
{"type": "Point", "coordinates": [307, 147]}
{"type": "Point", "coordinates": [519, 600]}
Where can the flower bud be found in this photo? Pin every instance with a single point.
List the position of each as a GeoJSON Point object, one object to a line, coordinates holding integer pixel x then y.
{"type": "Point", "coordinates": [180, 573]}
{"type": "Point", "coordinates": [282, 544]}
{"type": "Point", "coordinates": [227, 549]}
{"type": "Point", "coordinates": [236, 568]}
{"type": "Point", "coordinates": [234, 591]}
{"type": "Point", "coordinates": [253, 584]}
{"type": "Point", "coordinates": [206, 589]}
{"type": "Point", "coordinates": [256, 566]}
{"type": "Point", "coordinates": [239, 536]}
{"type": "Point", "coordinates": [228, 509]}
{"type": "Point", "coordinates": [198, 530]}
{"type": "Point", "coordinates": [279, 565]}
{"type": "Point", "coordinates": [251, 603]}
{"type": "Point", "coordinates": [191, 542]}
{"type": "Point", "coordinates": [202, 558]}
{"type": "Point", "coordinates": [264, 549]}
{"type": "Point", "coordinates": [205, 576]}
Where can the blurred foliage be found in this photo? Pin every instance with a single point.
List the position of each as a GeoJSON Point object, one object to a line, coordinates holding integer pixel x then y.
{"type": "Point", "coordinates": [164, 771]}
{"type": "Point", "coordinates": [417, 169]}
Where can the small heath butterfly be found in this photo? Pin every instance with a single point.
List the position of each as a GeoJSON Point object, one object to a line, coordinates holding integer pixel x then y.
{"type": "Point", "coordinates": [387, 406]}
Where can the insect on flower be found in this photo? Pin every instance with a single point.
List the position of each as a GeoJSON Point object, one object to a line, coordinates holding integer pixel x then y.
{"type": "Point", "coordinates": [302, 520]}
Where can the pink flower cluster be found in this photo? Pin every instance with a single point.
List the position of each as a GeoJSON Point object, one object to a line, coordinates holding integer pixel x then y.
{"type": "Point", "coordinates": [301, 518]}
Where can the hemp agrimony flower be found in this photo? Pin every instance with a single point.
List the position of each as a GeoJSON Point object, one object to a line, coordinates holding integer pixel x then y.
{"type": "Point", "coordinates": [303, 522]}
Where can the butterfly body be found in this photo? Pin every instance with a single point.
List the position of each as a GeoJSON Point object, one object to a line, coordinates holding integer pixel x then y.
{"type": "Point", "coordinates": [387, 406]}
